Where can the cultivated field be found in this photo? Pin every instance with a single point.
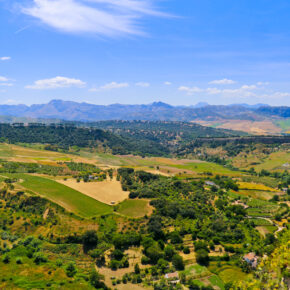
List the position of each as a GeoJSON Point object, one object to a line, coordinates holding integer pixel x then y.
{"type": "Point", "coordinates": [108, 191]}
{"type": "Point", "coordinates": [252, 127]}
{"type": "Point", "coordinates": [72, 200]}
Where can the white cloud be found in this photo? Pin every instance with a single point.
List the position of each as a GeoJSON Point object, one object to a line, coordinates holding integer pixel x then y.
{"type": "Point", "coordinates": [3, 58]}
{"type": "Point", "coordinates": [6, 84]}
{"type": "Point", "coordinates": [142, 84]}
{"type": "Point", "coordinates": [101, 17]}
{"type": "Point", "coordinates": [167, 83]}
{"type": "Point", "coordinates": [190, 90]}
{"type": "Point", "coordinates": [3, 79]}
{"type": "Point", "coordinates": [55, 83]}
{"type": "Point", "coordinates": [222, 82]}
{"type": "Point", "coordinates": [213, 91]}
{"type": "Point", "coordinates": [114, 85]}
{"type": "Point", "coordinates": [248, 87]}
{"type": "Point", "coordinates": [263, 83]}
{"type": "Point", "coordinates": [243, 91]}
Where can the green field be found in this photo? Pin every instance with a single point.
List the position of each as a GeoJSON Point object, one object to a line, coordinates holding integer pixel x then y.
{"type": "Point", "coordinates": [134, 208]}
{"type": "Point", "coordinates": [284, 124]}
{"type": "Point", "coordinates": [66, 197]}
{"type": "Point", "coordinates": [203, 167]}
{"type": "Point", "coordinates": [274, 161]}
{"type": "Point", "coordinates": [231, 273]}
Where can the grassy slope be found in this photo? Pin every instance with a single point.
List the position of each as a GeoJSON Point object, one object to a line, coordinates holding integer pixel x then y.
{"type": "Point", "coordinates": [134, 208]}
{"type": "Point", "coordinates": [206, 167]}
{"type": "Point", "coordinates": [67, 197]}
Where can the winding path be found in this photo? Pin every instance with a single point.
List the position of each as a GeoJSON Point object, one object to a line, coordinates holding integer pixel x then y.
{"type": "Point", "coordinates": [270, 221]}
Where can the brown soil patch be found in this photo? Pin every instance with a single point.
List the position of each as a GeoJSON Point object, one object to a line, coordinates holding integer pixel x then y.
{"type": "Point", "coordinates": [107, 191]}
{"type": "Point", "coordinates": [45, 214]}
{"type": "Point", "coordinates": [262, 230]}
{"type": "Point", "coordinates": [256, 127]}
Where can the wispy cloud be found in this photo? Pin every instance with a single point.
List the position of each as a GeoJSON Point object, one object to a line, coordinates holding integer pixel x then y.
{"type": "Point", "coordinates": [3, 79]}
{"type": "Point", "coordinates": [167, 83]}
{"type": "Point", "coordinates": [190, 90]}
{"type": "Point", "coordinates": [3, 58]}
{"type": "Point", "coordinates": [55, 83]}
{"type": "Point", "coordinates": [243, 91]}
{"type": "Point", "coordinates": [5, 82]}
{"type": "Point", "coordinates": [110, 86]}
{"type": "Point", "coordinates": [114, 85]}
{"type": "Point", "coordinates": [101, 17]}
{"type": "Point", "coordinates": [222, 82]}
{"type": "Point", "coordinates": [142, 84]}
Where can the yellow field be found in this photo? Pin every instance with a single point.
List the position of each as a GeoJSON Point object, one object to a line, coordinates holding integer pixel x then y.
{"type": "Point", "coordinates": [108, 191]}
{"type": "Point", "coordinates": [253, 127]}
{"type": "Point", "coordinates": [255, 186]}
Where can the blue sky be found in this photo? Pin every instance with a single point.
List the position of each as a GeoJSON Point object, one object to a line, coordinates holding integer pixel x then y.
{"type": "Point", "coordinates": [140, 51]}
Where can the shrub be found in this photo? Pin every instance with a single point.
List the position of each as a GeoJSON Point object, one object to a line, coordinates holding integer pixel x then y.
{"type": "Point", "coordinates": [202, 257]}
{"type": "Point", "coordinates": [6, 259]}
{"type": "Point", "coordinates": [71, 269]}
{"type": "Point", "coordinates": [177, 262]}
{"type": "Point", "coordinates": [18, 261]}
{"type": "Point", "coordinates": [39, 258]}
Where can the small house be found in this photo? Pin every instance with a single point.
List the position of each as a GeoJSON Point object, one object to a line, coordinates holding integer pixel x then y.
{"type": "Point", "coordinates": [211, 183]}
{"type": "Point", "coordinates": [172, 278]}
{"type": "Point", "coordinates": [251, 259]}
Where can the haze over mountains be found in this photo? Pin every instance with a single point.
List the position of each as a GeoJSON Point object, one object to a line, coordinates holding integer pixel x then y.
{"type": "Point", "coordinates": [73, 111]}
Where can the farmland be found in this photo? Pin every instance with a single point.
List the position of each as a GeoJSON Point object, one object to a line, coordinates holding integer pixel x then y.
{"type": "Point", "coordinates": [133, 207]}
{"type": "Point", "coordinates": [70, 199]}
{"type": "Point", "coordinates": [108, 191]}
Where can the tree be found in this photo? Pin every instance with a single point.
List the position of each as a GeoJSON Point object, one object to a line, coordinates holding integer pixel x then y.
{"type": "Point", "coordinates": [154, 253]}
{"type": "Point", "coordinates": [169, 252]}
{"type": "Point", "coordinates": [71, 269]}
{"type": "Point", "coordinates": [96, 280]}
{"type": "Point", "coordinates": [6, 259]}
{"type": "Point", "coordinates": [175, 238]}
{"type": "Point", "coordinates": [137, 269]}
{"type": "Point", "coordinates": [177, 262]}
{"type": "Point", "coordinates": [270, 239]}
{"type": "Point", "coordinates": [202, 257]}
{"type": "Point", "coordinates": [90, 240]}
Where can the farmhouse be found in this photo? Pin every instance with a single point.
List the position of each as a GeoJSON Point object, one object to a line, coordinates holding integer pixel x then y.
{"type": "Point", "coordinates": [211, 183]}
{"type": "Point", "coordinates": [238, 202]}
{"type": "Point", "coordinates": [172, 277]}
{"type": "Point", "coordinates": [251, 259]}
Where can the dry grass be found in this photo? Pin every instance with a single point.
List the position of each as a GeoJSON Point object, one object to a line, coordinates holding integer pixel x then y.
{"type": "Point", "coordinates": [107, 191]}
{"type": "Point", "coordinates": [253, 127]}
{"type": "Point", "coordinates": [255, 186]}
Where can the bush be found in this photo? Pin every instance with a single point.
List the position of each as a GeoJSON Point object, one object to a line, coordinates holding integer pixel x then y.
{"type": "Point", "coordinates": [18, 261]}
{"type": "Point", "coordinates": [202, 257]}
{"type": "Point", "coordinates": [71, 269]}
{"type": "Point", "coordinates": [39, 258]}
{"type": "Point", "coordinates": [6, 259]}
{"type": "Point", "coordinates": [177, 262]}
{"type": "Point", "coordinates": [96, 280]}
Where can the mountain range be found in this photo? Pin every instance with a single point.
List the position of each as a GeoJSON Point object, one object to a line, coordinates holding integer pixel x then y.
{"type": "Point", "coordinates": [73, 111]}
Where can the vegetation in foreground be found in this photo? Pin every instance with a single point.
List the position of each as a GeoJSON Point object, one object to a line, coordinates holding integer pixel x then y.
{"type": "Point", "coordinates": [189, 229]}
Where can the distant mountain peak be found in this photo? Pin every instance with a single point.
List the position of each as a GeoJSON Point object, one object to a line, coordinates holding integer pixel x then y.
{"type": "Point", "coordinates": [201, 105]}
{"type": "Point", "coordinates": [161, 104]}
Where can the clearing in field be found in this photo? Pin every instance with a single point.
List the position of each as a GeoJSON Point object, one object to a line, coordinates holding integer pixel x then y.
{"type": "Point", "coordinates": [135, 208]}
{"type": "Point", "coordinates": [108, 191]}
{"type": "Point", "coordinates": [70, 199]}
